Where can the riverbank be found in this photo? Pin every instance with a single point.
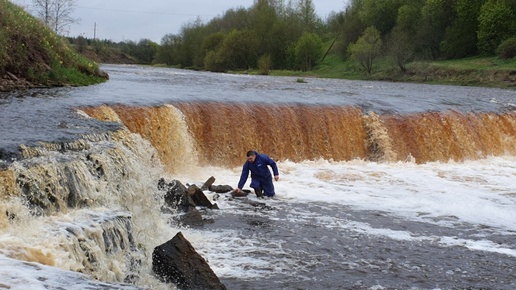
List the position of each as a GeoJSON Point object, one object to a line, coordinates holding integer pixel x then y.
{"type": "Point", "coordinates": [32, 55]}
{"type": "Point", "coordinates": [478, 71]}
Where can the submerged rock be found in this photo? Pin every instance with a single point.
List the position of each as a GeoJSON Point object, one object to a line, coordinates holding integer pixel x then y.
{"type": "Point", "coordinates": [192, 217]}
{"type": "Point", "coordinates": [176, 261]}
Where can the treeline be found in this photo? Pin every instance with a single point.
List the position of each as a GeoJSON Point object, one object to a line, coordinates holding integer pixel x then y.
{"type": "Point", "coordinates": [272, 34]}
{"type": "Point", "coordinates": [107, 51]}
{"type": "Point", "coordinates": [269, 34]}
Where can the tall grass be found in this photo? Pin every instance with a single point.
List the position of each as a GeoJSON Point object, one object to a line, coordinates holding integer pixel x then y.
{"type": "Point", "coordinates": [28, 49]}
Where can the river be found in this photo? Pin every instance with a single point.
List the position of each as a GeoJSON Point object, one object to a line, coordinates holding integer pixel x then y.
{"type": "Point", "coordinates": [382, 185]}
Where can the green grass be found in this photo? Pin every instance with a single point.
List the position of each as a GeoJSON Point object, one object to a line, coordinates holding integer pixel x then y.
{"type": "Point", "coordinates": [29, 50]}
{"type": "Point", "coordinates": [477, 71]}
{"type": "Point", "coordinates": [478, 63]}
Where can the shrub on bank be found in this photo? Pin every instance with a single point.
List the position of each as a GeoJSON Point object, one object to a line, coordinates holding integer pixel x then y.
{"type": "Point", "coordinates": [507, 49]}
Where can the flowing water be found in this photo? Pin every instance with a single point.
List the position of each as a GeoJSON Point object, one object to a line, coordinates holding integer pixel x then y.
{"type": "Point", "coordinates": [383, 185]}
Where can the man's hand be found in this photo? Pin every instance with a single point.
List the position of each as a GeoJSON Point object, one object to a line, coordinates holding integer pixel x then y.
{"type": "Point", "coordinates": [237, 190]}
{"type": "Point", "coordinates": [276, 177]}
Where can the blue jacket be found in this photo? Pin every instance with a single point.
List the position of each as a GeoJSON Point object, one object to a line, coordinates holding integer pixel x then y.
{"type": "Point", "coordinates": [259, 169]}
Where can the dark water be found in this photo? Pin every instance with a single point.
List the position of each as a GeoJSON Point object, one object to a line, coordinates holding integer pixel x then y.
{"type": "Point", "coordinates": [27, 117]}
{"type": "Point", "coordinates": [326, 246]}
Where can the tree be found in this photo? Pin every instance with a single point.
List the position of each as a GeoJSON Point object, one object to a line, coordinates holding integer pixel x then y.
{"type": "Point", "coordinates": [307, 15]}
{"type": "Point", "coordinates": [239, 49]}
{"type": "Point", "coordinates": [264, 16]}
{"type": "Point", "coordinates": [308, 51]}
{"type": "Point", "coordinates": [380, 14]}
{"type": "Point", "coordinates": [145, 51]}
{"type": "Point", "coordinates": [367, 48]}
{"type": "Point", "coordinates": [436, 17]}
{"type": "Point", "coordinates": [496, 25]}
{"type": "Point", "coordinates": [168, 51]}
{"type": "Point", "coordinates": [56, 14]}
{"type": "Point", "coordinates": [401, 47]}
{"type": "Point", "coordinates": [461, 37]}
{"type": "Point", "coordinates": [214, 60]}
{"type": "Point", "coordinates": [191, 50]}
{"type": "Point", "coordinates": [351, 26]}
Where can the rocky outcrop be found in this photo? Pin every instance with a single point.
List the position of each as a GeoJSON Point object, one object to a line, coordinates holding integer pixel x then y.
{"type": "Point", "coordinates": [176, 261]}
{"type": "Point", "coordinates": [185, 201]}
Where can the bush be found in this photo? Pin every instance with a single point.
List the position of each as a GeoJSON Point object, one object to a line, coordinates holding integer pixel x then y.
{"type": "Point", "coordinates": [507, 49]}
{"type": "Point", "coordinates": [214, 61]}
{"type": "Point", "coordinates": [264, 64]}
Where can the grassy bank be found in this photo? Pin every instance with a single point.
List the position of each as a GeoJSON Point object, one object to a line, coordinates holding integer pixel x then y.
{"type": "Point", "coordinates": [479, 71]}
{"type": "Point", "coordinates": [32, 55]}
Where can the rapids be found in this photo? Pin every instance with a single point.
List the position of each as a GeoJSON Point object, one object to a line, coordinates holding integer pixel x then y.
{"type": "Point", "coordinates": [383, 185]}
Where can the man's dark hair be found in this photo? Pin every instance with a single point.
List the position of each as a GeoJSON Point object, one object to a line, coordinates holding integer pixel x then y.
{"type": "Point", "coordinates": [250, 153]}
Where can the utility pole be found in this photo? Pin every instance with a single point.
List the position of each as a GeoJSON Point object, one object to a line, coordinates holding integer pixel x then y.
{"type": "Point", "coordinates": [94, 30]}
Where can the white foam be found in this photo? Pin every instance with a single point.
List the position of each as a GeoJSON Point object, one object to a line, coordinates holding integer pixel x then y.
{"type": "Point", "coordinates": [480, 193]}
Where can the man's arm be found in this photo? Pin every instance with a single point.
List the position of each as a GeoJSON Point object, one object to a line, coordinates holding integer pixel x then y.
{"type": "Point", "coordinates": [274, 167]}
{"type": "Point", "coordinates": [243, 176]}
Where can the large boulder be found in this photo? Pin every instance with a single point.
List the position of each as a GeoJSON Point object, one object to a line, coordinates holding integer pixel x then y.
{"type": "Point", "coordinates": [176, 261]}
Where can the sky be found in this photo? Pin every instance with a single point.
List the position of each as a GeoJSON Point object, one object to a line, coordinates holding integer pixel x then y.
{"type": "Point", "coordinates": [122, 20]}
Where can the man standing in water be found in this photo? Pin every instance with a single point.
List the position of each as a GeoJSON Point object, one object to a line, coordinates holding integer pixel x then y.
{"type": "Point", "coordinates": [261, 178]}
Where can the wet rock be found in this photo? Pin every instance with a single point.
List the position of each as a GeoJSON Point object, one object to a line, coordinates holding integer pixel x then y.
{"type": "Point", "coordinates": [220, 188]}
{"type": "Point", "coordinates": [177, 194]}
{"type": "Point", "coordinates": [176, 261]}
{"type": "Point", "coordinates": [198, 197]}
{"type": "Point", "coordinates": [242, 193]}
{"type": "Point", "coordinates": [208, 183]}
{"type": "Point", "coordinates": [184, 199]}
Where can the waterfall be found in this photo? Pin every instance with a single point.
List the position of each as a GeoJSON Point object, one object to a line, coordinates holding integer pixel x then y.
{"type": "Point", "coordinates": [93, 208]}
{"type": "Point", "coordinates": [219, 133]}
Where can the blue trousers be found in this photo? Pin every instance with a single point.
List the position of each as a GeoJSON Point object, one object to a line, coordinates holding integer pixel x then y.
{"type": "Point", "coordinates": [263, 184]}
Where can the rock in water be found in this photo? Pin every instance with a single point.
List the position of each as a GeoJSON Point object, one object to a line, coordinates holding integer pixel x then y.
{"type": "Point", "coordinates": [221, 188]}
{"type": "Point", "coordinates": [198, 197]}
{"type": "Point", "coordinates": [177, 195]}
{"type": "Point", "coordinates": [176, 261]}
{"type": "Point", "coordinates": [208, 183]}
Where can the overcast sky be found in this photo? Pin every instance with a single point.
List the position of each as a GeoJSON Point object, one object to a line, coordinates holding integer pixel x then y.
{"type": "Point", "coordinates": [121, 20]}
